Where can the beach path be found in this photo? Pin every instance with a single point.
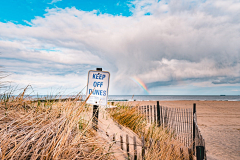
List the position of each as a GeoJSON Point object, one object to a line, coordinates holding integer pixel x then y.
{"type": "Point", "coordinates": [107, 127]}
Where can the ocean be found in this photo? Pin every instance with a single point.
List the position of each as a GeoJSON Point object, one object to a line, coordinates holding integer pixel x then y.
{"type": "Point", "coordinates": [155, 97]}
{"type": "Point", "coordinates": [173, 97]}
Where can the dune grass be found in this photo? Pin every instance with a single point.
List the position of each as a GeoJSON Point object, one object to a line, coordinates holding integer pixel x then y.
{"type": "Point", "coordinates": [47, 130]}
{"type": "Point", "coordinates": [164, 145]}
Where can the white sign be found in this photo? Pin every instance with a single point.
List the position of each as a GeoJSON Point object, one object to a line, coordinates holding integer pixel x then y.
{"type": "Point", "coordinates": [98, 82]}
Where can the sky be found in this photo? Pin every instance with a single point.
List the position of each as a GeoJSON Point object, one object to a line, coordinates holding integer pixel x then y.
{"type": "Point", "coordinates": [174, 47]}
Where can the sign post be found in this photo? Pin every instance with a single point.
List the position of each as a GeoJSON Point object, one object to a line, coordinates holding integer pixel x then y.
{"type": "Point", "coordinates": [98, 84]}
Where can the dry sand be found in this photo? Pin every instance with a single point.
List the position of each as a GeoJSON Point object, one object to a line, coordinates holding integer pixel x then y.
{"type": "Point", "coordinates": [219, 122]}
{"type": "Point", "coordinates": [107, 127]}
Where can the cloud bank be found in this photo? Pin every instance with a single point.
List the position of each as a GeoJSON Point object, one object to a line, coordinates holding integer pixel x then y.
{"type": "Point", "coordinates": [166, 43]}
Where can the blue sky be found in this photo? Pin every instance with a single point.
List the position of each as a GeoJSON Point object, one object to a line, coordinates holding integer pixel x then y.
{"type": "Point", "coordinates": [19, 11]}
{"type": "Point", "coordinates": [176, 47]}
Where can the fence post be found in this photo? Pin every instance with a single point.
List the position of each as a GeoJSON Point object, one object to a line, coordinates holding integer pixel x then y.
{"type": "Point", "coordinates": [127, 146]}
{"type": "Point", "coordinates": [154, 114]}
{"type": "Point", "coordinates": [172, 149]}
{"type": "Point", "coordinates": [151, 116]}
{"type": "Point", "coordinates": [121, 141]}
{"type": "Point", "coordinates": [95, 112]}
{"type": "Point", "coordinates": [190, 154]}
{"type": "Point", "coordinates": [158, 114]}
{"type": "Point", "coordinates": [95, 117]}
{"type": "Point", "coordinates": [158, 144]}
{"type": "Point", "coordinates": [194, 127]}
{"type": "Point", "coordinates": [200, 152]}
{"type": "Point", "coordinates": [114, 139]}
{"type": "Point", "coordinates": [181, 153]}
{"type": "Point", "coordinates": [143, 148]}
{"type": "Point", "coordinates": [150, 143]}
{"type": "Point", "coordinates": [135, 148]}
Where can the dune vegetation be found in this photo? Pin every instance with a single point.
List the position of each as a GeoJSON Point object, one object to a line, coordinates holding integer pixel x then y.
{"type": "Point", "coordinates": [51, 128]}
{"type": "Point", "coordinates": [47, 129]}
{"type": "Point", "coordinates": [163, 143]}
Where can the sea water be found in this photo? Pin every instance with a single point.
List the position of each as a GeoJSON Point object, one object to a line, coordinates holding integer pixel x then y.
{"type": "Point", "coordinates": [173, 97]}
{"type": "Point", "coordinates": [154, 97]}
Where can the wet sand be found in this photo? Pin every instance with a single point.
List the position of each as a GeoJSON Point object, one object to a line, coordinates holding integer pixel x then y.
{"type": "Point", "coordinates": [219, 122]}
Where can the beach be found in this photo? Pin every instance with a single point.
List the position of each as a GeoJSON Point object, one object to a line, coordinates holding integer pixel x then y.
{"type": "Point", "coordinates": [219, 122]}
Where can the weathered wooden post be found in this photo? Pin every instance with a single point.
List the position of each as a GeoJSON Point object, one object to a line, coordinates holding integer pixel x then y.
{"type": "Point", "coordinates": [158, 114]}
{"type": "Point", "coordinates": [135, 148]}
{"type": "Point", "coordinates": [114, 138]}
{"type": "Point", "coordinates": [121, 141]}
{"type": "Point", "coordinates": [143, 148]}
{"type": "Point", "coordinates": [194, 127]}
{"type": "Point", "coordinates": [127, 146]}
{"type": "Point", "coordinates": [200, 152]}
{"type": "Point", "coordinates": [181, 153]}
{"type": "Point", "coordinates": [95, 112]}
{"type": "Point", "coordinates": [190, 154]}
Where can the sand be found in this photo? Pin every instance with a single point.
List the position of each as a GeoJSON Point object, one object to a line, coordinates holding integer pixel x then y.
{"type": "Point", "coordinates": [219, 122]}
{"type": "Point", "coordinates": [107, 127]}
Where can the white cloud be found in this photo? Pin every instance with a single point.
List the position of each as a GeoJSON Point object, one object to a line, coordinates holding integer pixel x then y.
{"type": "Point", "coordinates": [185, 40]}
{"type": "Point", "coordinates": [55, 1]}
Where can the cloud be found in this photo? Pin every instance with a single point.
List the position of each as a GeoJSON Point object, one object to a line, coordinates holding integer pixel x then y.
{"type": "Point", "coordinates": [55, 1]}
{"type": "Point", "coordinates": [227, 80]}
{"type": "Point", "coordinates": [180, 41]}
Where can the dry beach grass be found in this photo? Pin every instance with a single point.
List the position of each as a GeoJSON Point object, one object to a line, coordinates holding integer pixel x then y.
{"type": "Point", "coordinates": [169, 147]}
{"type": "Point", "coordinates": [62, 130]}
{"type": "Point", "coordinates": [47, 130]}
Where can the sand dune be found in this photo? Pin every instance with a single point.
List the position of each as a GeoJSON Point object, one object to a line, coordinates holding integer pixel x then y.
{"type": "Point", "coordinates": [219, 122]}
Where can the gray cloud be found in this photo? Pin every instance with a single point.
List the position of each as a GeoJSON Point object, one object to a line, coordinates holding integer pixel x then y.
{"type": "Point", "coordinates": [179, 41]}
{"type": "Point", "coordinates": [227, 80]}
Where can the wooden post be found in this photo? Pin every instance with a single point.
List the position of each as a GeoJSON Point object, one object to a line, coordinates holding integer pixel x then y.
{"type": "Point", "coordinates": [148, 114]}
{"type": "Point", "coordinates": [95, 117]}
{"type": "Point", "coordinates": [172, 149]}
{"type": "Point", "coordinates": [114, 139]}
{"type": "Point", "coordinates": [158, 114]}
{"type": "Point", "coordinates": [161, 115]}
{"type": "Point", "coordinates": [143, 148]}
{"type": "Point", "coordinates": [181, 153]}
{"type": "Point", "coordinates": [158, 144]}
{"type": "Point", "coordinates": [151, 116]}
{"type": "Point", "coordinates": [121, 141]}
{"type": "Point", "coordinates": [155, 114]}
{"type": "Point", "coordinates": [145, 112]}
{"type": "Point", "coordinates": [127, 146]}
{"type": "Point", "coordinates": [150, 143]}
{"type": "Point", "coordinates": [190, 154]}
{"type": "Point", "coordinates": [135, 148]}
{"type": "Point", "coordinates": [95, 112]}
{"type": "Point", "coordinates": [200, 152]}
{"type": "Point", "coordinates": [194, 127]}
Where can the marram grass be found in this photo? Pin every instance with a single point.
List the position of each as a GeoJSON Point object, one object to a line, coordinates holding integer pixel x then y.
{"type": "Point", "coordinates": [47, 130]}
{"type": "Point", "coordinates": [164, 145]}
